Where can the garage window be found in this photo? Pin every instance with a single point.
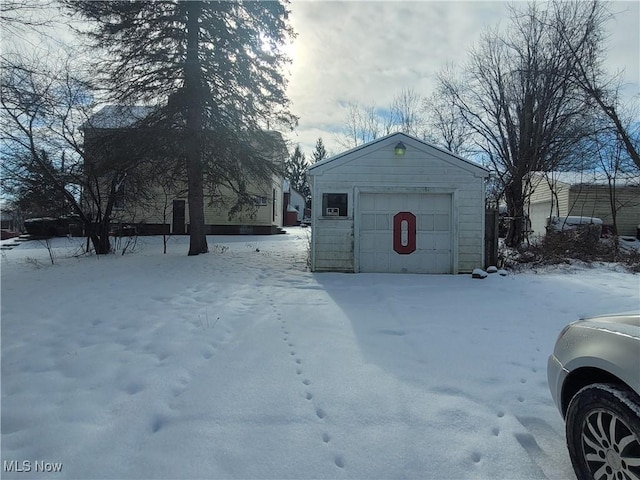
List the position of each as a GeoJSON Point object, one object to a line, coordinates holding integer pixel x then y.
{"type": "Point", "coordinates": [334, 204]}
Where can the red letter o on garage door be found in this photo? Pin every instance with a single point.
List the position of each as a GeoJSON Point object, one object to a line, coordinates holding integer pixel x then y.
{"type": "Point", "coordinates": [404, 233]}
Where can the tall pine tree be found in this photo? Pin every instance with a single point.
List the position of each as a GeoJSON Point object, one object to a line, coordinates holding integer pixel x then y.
{"type": "Point", "coordinates": [215, 69]}
{"type": "Point", "coordinates": [296, 170]}
{"type": "Point", "coordinates": [320, 152]}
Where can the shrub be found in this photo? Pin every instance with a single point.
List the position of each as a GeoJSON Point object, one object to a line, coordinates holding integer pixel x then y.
{"type": "Point", "coordinates": [564, 247]}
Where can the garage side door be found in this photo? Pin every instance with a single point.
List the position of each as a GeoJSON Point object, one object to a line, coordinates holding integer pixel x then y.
{"type": "Point", "coordinates": [433, 241]}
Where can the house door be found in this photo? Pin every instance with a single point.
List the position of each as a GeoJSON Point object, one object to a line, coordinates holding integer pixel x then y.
{"type": "Point", "coordinates": [179, 217]}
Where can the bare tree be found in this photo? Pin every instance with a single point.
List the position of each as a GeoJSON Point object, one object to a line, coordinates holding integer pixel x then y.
{"type": "Point", "coordinates": [362, 125]}
{"type": "Point", "coordinates": [445, 125]}
{"type": "Point", "coordinates": [365, 123]}
{"type": "Point", "coordinates": [589, 73]}
{"type": "Point", "coordinates": [518, 98]}
{"type": "Point", "coordinates": [613, 162]}
{"type": "Point", "coordinates": [19, 17]}
{"type": "Point", "coordinates": [47, 145]}
{"type": "Point", "coordinates": [407, 113]}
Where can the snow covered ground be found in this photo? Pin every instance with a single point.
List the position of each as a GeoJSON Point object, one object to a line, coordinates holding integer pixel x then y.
{"type": "Point", "coordinates": [240, 364]}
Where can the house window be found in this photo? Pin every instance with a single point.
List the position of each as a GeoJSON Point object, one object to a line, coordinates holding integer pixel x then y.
{"type": "Point", "coordinates": [334, 204]}
{"type": "Point", "coordinates": [260, 201]}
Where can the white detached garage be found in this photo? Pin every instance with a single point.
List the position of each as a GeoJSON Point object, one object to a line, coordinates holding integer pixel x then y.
{"type": "Point", "coordinates": [400, 205]}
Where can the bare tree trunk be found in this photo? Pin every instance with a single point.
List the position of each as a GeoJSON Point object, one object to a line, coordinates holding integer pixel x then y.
{"type": "Point", "coordinates": [515, 209]}
{"type": "Point", "coordinates": [193, 88]}
{"type": "Point", "coordinates": [101, 239]}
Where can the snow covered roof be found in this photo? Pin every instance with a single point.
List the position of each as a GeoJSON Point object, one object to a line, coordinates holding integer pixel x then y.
{"type": "Point", "coordinates": [589, 178]}
{"type": "Point", "coordinates": [119, 116]}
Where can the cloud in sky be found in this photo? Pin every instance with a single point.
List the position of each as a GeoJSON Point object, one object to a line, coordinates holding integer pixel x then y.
{"type": "Point", "coordinates": [368, 52]}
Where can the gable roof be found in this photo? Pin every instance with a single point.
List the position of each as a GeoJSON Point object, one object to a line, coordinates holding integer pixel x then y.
{"type": "Point", "coordinates": [126, 116]}
{"type": "Point", "coordinates": [413, 142]}
{"type": "Point", "coordinates": [119, 116]}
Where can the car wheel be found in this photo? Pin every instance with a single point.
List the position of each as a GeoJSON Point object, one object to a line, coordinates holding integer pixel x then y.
{"type": "Point", "coordinates": [603, 433]}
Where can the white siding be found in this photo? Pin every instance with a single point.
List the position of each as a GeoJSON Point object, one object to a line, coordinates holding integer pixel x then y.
{"type": "Point", "coordinates": [159, 207]}
{"type": "Point", "coordinates": [594, 201]}
{"type": "Point", "coordinates": [543, 201]}
{"type": "Point", "coordinates": [583, 200]}
{"type": "Point", "coordinates": [558, 198]}
{"type": "Point", "coordinates": [333, 245]}
{"type": "Point", "coordinates": [375, 169]}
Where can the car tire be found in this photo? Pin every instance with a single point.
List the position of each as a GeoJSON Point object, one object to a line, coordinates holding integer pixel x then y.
{"type": "Point", "coordinates": [603, 433]}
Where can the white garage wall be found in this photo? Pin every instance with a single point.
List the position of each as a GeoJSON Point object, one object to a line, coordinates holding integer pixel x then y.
{"type": "Point", "coordinates": [375, 168]}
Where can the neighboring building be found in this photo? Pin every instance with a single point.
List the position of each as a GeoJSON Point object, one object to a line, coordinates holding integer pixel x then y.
{"type": "Point", "coordinates": [583, 194]}
{"type": "Point", "coordinates": [168, 211]}
{"type": "Point", "coordinates": [294, 204]}
{"type": "Point", "coordinates": [384, 208]}
{"type": "Point", "coordinates": [8, 218]}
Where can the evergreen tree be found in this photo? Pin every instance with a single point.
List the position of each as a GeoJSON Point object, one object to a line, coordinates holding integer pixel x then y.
{"type": "Point", "coordinates": [320, 152]}
{"type": "Point", "coordinates": [296, 167]}
{"type": "Point", "coordinates": [215, 69]}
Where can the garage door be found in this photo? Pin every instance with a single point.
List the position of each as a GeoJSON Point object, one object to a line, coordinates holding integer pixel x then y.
{"type": "Point", "coordinates": [405, 233]}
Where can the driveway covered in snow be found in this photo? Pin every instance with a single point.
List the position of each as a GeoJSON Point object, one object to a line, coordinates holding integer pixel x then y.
{"type": "Point", "coordinates": [241, 364]}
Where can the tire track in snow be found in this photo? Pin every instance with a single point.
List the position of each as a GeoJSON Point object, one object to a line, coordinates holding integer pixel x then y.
{"type": "Point", "coordinates": [540, 440]}
{"type": "Point", "coordinates": [338, 459]}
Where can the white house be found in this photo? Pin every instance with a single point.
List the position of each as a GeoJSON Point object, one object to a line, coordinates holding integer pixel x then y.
{"type": "Point", "coordinates": [397, 204]}
{"type": "Point", "coordinates": [294, 202]}
{"type": "Point", "coordinates": [167, 211]}
{"type": "Point", "coordinates": [584, 194]}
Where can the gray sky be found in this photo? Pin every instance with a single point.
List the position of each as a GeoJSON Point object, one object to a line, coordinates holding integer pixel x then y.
{"type": "Point", "coordinates": [368, 52]}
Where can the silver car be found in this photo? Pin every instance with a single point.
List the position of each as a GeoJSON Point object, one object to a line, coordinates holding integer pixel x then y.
{"type": "Point", "coordinates": [594, 378]}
